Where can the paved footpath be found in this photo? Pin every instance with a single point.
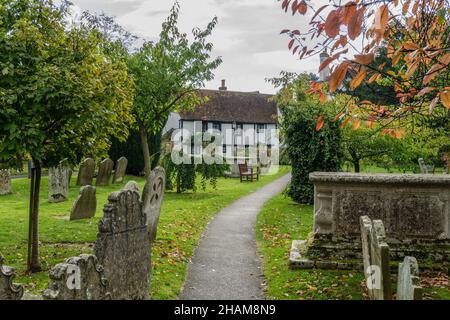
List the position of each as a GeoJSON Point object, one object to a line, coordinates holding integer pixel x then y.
{"type": "Point", "coordinates": [226, 265]}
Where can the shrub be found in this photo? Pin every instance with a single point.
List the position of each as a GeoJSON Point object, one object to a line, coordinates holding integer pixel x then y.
{"type": "Point", "coordinates": [308, 149]}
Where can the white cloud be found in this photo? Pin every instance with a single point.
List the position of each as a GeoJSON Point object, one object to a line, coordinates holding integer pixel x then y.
{"type": "Point", "coordinates": [247, 36]}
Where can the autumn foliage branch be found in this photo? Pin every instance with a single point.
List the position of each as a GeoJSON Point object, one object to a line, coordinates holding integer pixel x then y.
{"type": "Point", "coordinates": [416, 35]}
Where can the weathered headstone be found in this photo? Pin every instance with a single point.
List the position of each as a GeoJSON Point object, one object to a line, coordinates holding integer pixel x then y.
{"type": "Point", "coordinates": [85, 205]}
{"type": "Point", "coordinates": [408, 285]}
{"type": "Point", "coordinates": [79, 278]}
{"type": "Point", "coordinates": [86, 172]}
{"type": "Point", "coordinates": [376, 259]}
{"type": "Point", "coordinates": [5, 182]}
{"type": "Point", "coordinates": [104, 172]}
{"type": "Point", "coordinates": [152, 198]}
{"type": "Point", "coordinates": [121, 168]}
{"type": "Point", "coordinates": [131, 185]}
{"type": "Point", "coordinates": [123, 246]}
{"type": "Point", "coordinates": [8, 289]}
{"type": "Point", "coordinates": [58, 182]}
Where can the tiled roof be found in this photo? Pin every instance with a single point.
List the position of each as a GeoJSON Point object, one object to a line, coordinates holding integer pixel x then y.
{"type": "Point", "coordinates": [233, 106]}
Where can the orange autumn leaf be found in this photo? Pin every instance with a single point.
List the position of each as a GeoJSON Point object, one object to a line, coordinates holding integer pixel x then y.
{"type": "Point", "coordinates": [348, 12]}
{"type": "Point", "coordinates": [381, 19]}
{"type": "Point", "coordinates": [326, 62]}
{"type": "Point", "coordinates": [445, 60]}
{"type": "Point", "coordinates": [338, 76]}
{"type": "Point", "coordinates": [425, 90]}
{"type": "Point", "coordinates": [432, 73]}
{"type": "Point", "coordinates": [445, 99]}
{"type": "Point", "coordinates": [373, 78]}
{"type": "Point", "coordinates": [405, 7]}
{"type": "Point", "coordinates": [356, 124]}
{"type": "Point", "coordinates": [355, 23]}
{"type": "Point", "coordinates": [356, 81]}
{"type": "Point", "coordinates": [320, 123]}
{"type": "Point", "coordinates": [345, 122]}
{"type": "Point", "coordinates": [302, 8]}
{"type": "Point", "coordinates": [332, 24]}
{"type": "Point", "coordinates": [364, 59]}
{"type": "Point", "coordinates": [291, 44]}
{"type": "Point", "coordinates": [338, 116]}
{"type": "Point", "coordinates": [433, 104]}
{"type": "Point", "coordinates": [398, 133]}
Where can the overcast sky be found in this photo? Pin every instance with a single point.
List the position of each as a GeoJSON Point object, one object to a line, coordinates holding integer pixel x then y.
{"type": "Point", "coordinates": [247, 36]}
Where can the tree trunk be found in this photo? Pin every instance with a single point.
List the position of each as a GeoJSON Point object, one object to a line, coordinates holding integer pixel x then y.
{"type": "Point", "coordinates": [357, 166]}
{"type": "Point", "coordinates": [145, 151]}
{"type": "Point", "coordinates": [33, 263]}
{"type": "Point", "coordinates": [178, 182]}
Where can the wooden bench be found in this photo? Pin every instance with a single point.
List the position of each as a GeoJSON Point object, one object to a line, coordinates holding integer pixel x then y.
{"type": "Point", "coordinates": [424, 168]}
{"type": "Point", "coordinates": [249, 173]}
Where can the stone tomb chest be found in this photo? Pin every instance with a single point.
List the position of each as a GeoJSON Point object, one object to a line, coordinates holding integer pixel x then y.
{"type": "Point", "coordinates": [415, 210]}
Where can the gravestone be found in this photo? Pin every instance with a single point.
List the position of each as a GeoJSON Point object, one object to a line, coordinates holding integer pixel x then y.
{"type": "Point", "coordinates": [85, 205]}
{"type": "Point", "coordinates": [104, 172]}
{"type": "Point", "coordinates": [376, 259]}
{"type": "Point", "coordinates": [152, 198]}
{"type": "Point", "coordinates": [121, 168]}
{"type": "Point", "coordinates": [408, 285]}
{"type": "Point", "coordinates": [5, 182]}
{"type": "Point", "coordinates": [86, 172]}
{"type": "Point", "coordinates": [131, 185]}
{"type": "Point", "coordinates": [58, 182]}
{"type": "Point", "coordinates": [8, 289]}
{"type": "Point", "coordinates": [79, 278]}
{"type": "Point", "coordinates": [123, 246]}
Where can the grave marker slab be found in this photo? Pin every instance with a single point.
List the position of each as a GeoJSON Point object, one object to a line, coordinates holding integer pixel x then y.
{"type": "Point", "coordinates": [86, 172]}
{"type": "Point", "coordinates": [104, 172]}
{"type": "Point", "coordinates": [121, 168]}
{"type": "Point", "coordinates": [152, 198]}
{"type": "Point", "coordinates": [85, 205]}
{"type": "Point", "coordinates": [58, 182]}
{"type": "Point", "coordinates": [123, 246]}
{"type": "Point", "coordinates": [79, 278]}
{"type": "Point", "coordinates": [8, 289]}
{"type": "Point", "coordinates": [5, 182]}
{"type": "Point", "coordinates": [408, 285]}
{"type": "Point", "coordinates": [376, 258]}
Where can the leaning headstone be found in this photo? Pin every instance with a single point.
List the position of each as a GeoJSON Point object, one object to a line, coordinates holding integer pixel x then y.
{"type": "Point", "coordinates": [79, 278]}
{"type": "Point", "coordinates": [8, 289]}
{"type": "Point", "coordinates": [123, 246]}
{"type": "Point", "coordinates": [121, 168]}
{"type": "Point", "coordinates": [104, 172]}
{"type": "Point", "coordinates": [152, 198]}
{"type": "Point", "coordinates": [376, 259]}
{"type": "Point", "coordinates": [86, 172]}
{"type": "Point", "coordinates": [58, 182]}
{"type": "Point", "coordinates": [85, 205]}
{"type": "Point", "coordinates": [5, 182]}
{"type": "Point", "coordinates": [408, 285]}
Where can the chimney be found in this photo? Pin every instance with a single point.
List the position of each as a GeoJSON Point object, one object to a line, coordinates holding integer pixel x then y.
{"type": "Point", "coordinates": [223, 87]}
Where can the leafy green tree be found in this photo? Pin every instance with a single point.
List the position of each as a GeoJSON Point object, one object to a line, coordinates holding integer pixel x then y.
{"type": "Point", "coordinates": [183, 177]}
{"type": "Point", "coordinates": [365, 144]}
{"type": "Point", "coordinates": [309, 147]}
{"type": "Point", "coordinates": [61, 96]}
{"type": "Point", "coordinates": [167, 75]}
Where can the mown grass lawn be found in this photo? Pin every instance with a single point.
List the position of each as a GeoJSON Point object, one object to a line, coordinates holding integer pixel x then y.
{"type": "Point", "coordinates": [282, 221]}
{"type": "Point", "coordinates": [183, 219]}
